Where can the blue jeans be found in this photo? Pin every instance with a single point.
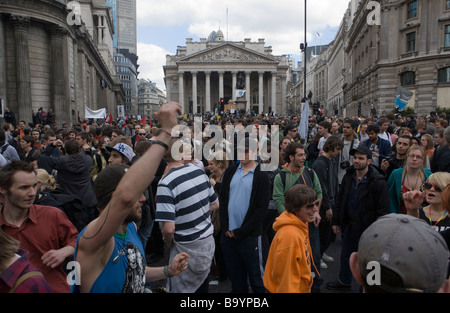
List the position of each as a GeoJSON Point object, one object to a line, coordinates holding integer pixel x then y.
{"type": "Point", "coordinates": [243, 259]}
{"type": "Point", "coordinates": [349, 245]}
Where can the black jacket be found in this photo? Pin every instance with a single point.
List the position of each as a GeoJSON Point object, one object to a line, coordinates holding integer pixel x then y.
{"type": "Point", "coordinates": [372, 201]}
{"type": "Point", "coordinates": [258, 207]}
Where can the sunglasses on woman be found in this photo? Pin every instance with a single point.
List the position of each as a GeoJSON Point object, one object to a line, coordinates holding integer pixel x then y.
{"type": "Point", "coordinates": [428, 186]}
{"type": "Point", "coordinates": [312, 205]}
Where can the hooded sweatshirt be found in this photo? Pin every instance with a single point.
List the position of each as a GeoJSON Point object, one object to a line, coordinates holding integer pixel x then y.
{"type": "Point", "coordinates": [288, 267]}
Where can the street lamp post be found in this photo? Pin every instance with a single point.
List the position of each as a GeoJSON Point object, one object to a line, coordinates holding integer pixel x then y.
{"type": "Point", "coordinates": [303, 49]}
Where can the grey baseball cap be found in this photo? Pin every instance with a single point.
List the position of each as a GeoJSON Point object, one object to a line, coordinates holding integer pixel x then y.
{"type": "Point", "coordinates": [410, 248]}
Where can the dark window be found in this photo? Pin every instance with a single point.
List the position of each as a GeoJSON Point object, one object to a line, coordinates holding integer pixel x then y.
{"type": "Point", "coordinates": [412, 9]}
{"type": "Point", "coordinates": [411, 42]}
{"type": "Point", "coordinates": [447, 36]}
{"type": "Point", "coordinates": [444, 75]}
{"type": "Point", "coordinates": [408, 78]}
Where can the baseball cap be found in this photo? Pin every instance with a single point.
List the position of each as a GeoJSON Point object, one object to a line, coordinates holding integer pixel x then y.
{"type": "Point", "coordinates": [410, 248]}
{"type": "Point", "coordinates": [362, 149]}
{"type": "Point", "coordinates": [107, 181]}
{"type": "Point", "coordinates": [288, 128]}
{"type": "Point", "coordinates": [122, 148]}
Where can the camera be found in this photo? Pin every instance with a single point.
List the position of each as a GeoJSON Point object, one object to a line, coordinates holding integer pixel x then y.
{"type": "Point", "coordinates": [345, 165]}
{"type": "Point", "coordinates": [389, 159]}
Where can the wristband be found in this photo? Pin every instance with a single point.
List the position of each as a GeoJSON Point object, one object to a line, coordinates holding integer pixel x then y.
{"type": "Point", "coordinates": [158, 142]}
{"type": "Point", "coordinates": [166, 273]}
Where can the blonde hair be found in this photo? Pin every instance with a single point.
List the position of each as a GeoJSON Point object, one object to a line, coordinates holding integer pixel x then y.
{"type": "Point", "coordinates": [220, 158]}
{"type": "Point", "coordinates": [441, 179]}
{"type": "Point", "coordinates": [46, 179]}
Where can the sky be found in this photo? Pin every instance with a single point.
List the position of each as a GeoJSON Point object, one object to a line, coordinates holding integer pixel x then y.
{"type": "Point", "coordinates": [162, 25]}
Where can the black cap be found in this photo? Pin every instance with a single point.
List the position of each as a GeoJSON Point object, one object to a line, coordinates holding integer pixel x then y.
{"type": "Point", "coordinates": [107, 181]}
{"type": "Point", "coordinates": [362, 149]}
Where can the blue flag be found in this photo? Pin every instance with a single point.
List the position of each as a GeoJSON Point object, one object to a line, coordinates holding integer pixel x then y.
{"type": "Point", "coordinates": [403, 96]}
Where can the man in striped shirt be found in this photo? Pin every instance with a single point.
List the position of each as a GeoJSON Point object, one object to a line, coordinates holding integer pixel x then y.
{"type": "Point", "coordinates": [184, 199]}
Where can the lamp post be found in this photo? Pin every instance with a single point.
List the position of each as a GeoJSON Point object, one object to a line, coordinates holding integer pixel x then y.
{"type": "Point", "coordinates": [303, 49]}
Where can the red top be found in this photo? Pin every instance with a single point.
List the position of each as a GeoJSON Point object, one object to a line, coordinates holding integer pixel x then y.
{"type": "Point", "coordinates": [46, 228]}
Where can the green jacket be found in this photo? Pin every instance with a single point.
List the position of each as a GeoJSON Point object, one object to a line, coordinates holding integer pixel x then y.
{"type": "Point", "coordinates": [291, 177]}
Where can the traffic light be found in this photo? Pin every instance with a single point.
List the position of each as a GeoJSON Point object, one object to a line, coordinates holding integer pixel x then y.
{"type": "Point", "coordinates": [221, 101]}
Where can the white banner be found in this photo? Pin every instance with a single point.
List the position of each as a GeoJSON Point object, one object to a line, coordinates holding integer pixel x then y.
{"type": "Point", "coordinates": [95, 113]}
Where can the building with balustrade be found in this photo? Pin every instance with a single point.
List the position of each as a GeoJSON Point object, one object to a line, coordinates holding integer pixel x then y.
{"type": "Point", "coordinates": [245, 75]}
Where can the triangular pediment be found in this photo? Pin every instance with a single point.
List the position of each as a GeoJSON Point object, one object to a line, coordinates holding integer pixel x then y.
{"type": "Point", "coordinates": [228, 53]}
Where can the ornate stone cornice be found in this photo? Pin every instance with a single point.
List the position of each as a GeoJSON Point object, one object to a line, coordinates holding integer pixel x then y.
{"type": "Point", "coordinates": [56, 30]}
{"type": "Point", "coordinates": [20, 21]}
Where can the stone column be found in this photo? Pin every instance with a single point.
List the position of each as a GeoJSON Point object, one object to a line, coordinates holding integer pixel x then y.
{"type": "Point", "coordinates": [3, 82]}
{"type": "Point", "coordinates": [221, 93]}
{"type": "Point", "coordinates": [208, 91]}
{"type": "Point", "coordinates": [234, 74]}
{"type": "Point", "coordinates": [181, 92]}
{"type": "Point", "coordinates": [248, 91]}
{"type": "Point", "coordinates": [60, 99]}
{"type": "Point", "coordinates": [283, 94]}
{"type": "Point", "coordinates": [168, 88]}
{"type": "Point", "coordinates": [274, 92]}
{"type": "Point", "coordinates": [24, 105]}
{"type": "Point", "coordinates": [194, 92]}
{"type": "Point", "coordinates": [261, 92]}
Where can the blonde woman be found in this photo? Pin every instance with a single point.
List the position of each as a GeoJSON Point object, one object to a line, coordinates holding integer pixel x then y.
{"type": "Point", "coordinates": [217, 166]}
{"type": "Point", "coordinates": [436, 211]}
{"type": "Point", "coordinates": [409, 178]}
{"type": "Point", "coordinates": [45, 180]}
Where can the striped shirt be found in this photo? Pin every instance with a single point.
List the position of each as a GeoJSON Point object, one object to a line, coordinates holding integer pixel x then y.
{"type": "Point", "coordinates": [183, 197]}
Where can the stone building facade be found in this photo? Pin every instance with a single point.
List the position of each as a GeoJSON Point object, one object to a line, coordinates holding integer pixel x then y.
{"type": "Point", "coordinates": [202, 73]}
{"type": "Point", "coordinates": [150, 98]}
{"type": "Point", "coordinates": [408, 46]}
{"type": "Point", "coordinates": [56, 56]}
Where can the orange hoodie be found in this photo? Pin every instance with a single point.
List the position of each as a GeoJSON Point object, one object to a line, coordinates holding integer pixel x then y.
{"type": "Point", "coordinates": [288, 267]}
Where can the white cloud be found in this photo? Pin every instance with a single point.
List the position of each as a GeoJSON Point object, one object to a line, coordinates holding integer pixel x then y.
{"type": "Point", "coordinates": [280, 23]}
{"type": "Point", "coordinates": [151, 61]}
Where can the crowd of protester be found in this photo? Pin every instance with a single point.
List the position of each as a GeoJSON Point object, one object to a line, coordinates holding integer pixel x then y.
{"type": "Point", "coordinates": [221, 218]}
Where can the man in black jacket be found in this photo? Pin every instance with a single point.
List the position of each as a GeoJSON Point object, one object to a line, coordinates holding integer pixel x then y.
{"type": "Point", "coordinates": [362, 198]}
{"type": "Point", "coordinates": [244, 199]}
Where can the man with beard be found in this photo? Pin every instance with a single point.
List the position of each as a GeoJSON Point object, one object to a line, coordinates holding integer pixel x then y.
{"type": "Point", "coordinates": [399, 158]}
{"type": "Point", "coordinates": [362, 198]}
{"type": "Point", "coordinates": [106, 248]}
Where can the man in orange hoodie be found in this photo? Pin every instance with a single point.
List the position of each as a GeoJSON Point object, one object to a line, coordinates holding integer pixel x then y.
{"type": "Point", "coordinates": [288, 267]}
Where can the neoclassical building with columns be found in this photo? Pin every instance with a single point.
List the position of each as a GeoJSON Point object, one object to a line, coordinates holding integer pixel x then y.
{"type": "Point", "coordinates": [50, 59]}
{"type": "Point", "coordinates": [202, 73]}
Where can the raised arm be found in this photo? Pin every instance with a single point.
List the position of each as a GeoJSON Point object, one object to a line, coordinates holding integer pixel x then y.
{"type": "Point", "coordinates": [132, 184]}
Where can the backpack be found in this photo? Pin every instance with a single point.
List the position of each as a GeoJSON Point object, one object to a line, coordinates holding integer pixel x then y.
{"type": "Point", "coordinates": [308, 171]}
{"type": "Point", "coordinates": [72, 206]}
